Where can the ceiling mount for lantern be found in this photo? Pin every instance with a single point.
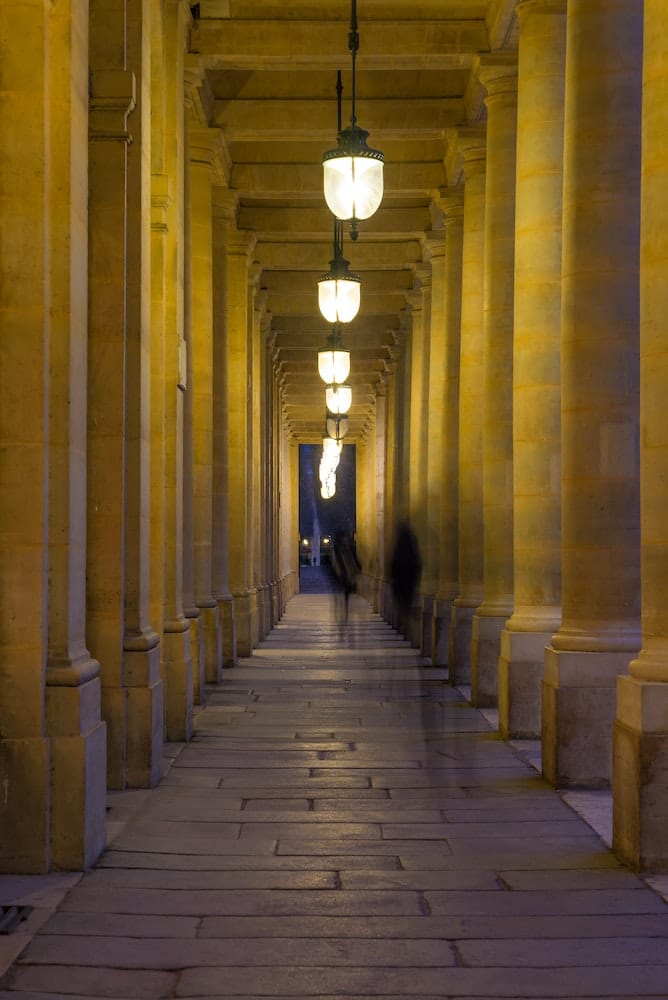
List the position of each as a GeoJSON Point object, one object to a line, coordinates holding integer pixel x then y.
{"type": "Point", "coordinates": [353, 172]}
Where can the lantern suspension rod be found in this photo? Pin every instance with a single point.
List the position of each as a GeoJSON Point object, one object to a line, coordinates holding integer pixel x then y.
{"type": "Point", "coordinates": [353, 45]}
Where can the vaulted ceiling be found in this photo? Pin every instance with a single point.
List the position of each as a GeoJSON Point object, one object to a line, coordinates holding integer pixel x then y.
{"type": "Point", "coordinates": [270, 87]}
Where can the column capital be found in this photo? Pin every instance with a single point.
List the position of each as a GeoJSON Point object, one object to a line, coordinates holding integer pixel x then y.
{"type": "Point", "coordinates": [497, 71]}
{"type": "Point", "coordinates": [413, 301]}
{"type": "Point", "coordinates": [451, 200]}
{"type": "Point", "coordinates": [526, 7]}
{"type": "Point", "coordinates": [112, 99]}
{"type": "Point", "coordinates": [434, 241]}
{"type": "Point", "coordinates": [207, 147]}
{"type": "Point", "coordinates": [197, 95]}
{"type": "Point", "coordinates": [224, 203]}
{"type": "Point", "coordinates": [241, 243]}
{"type": "Point", "coordinates": [472, 147]}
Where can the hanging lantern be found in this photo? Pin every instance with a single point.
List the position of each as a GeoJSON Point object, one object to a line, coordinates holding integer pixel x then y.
{"type": "Point", "coordinates": [333, 366]}
{"type": "Point", "coordinates": [338, 398]}
{"type": "Point", "coordinates": [353, 172]}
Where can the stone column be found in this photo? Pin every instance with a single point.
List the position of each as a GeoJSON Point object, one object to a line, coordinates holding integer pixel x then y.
{"type": "Point", "coordinates": [119, 447]}
{"type": "Point", "coordinates": [452, 203]}
{"type": "Point", "coordinates": [73, 692]}
{"type": "Point", "coordinates": [498, 74]}
{"type": "Point", "coordinates": [640, 766]}
{"type": "Point", "coordinates": [600, 413]}
{"type": "Point", "coordinates": [419, 417]}
{"type": "Point", "coordinates": [170, 379]}
{"type": "Point", "coordinates": [472, 146]}
{"type": "Point", "coordinates": [415, 468]}
{"type": "Point", "coordinates": [388, 610]}
{"type": "Point", "coordinates": [240, 246]}
{"type": "Point", "coordinates": [203, 167]}
{"type": "Point", "coordinates": [257, 456]}
{"type": "Point", "coordinates": [141, 656]}
{"type": "Point", "coordinates": [224, 205]}
{"type": "Point", "coordinates": [380, 488]}
{"type": "Point", "coordinates": [536, 368]}
{"type": "Point", "coordinates": [45, 662]}
{"type": "Point", "coordinates": [437, 397]}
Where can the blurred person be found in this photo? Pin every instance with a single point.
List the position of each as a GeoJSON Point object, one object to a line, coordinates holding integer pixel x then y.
{"type": "Point", "coordinates": [405, 572]}
{"type": "Point", "coordinates": [346, 566]}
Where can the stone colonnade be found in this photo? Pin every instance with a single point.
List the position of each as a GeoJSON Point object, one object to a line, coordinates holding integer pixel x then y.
{"type": "Point", "coordinates": [547, 411]}
{"type": "Point", "coordinates": [139, 413]}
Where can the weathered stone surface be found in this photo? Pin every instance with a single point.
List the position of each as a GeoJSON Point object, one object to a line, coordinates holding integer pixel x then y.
{"type": "Point", "coordinates": [420, 860]}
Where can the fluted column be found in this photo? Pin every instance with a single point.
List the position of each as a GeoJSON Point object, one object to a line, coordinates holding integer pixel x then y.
{"type": "Point", "coordinates": [452, 203]}
{"type": "Point", "coordinates": [203, 168]}
{"type": "Point", "coordinates": [240, 246]}
{"type": "Point", "coordinates": [536, 367]}
{"type": "Point", "coordinates": [640, 772]}
{"type": "Point", "coordinates": [472, 145]}
{"type": "Point", "coordinates": [498, 73]}
{"type": "Point", "coordinates": [600, 413]}
{"type": "Point", "coordinates": [169, 381]}
{"type": "Point", "coordinates": [437, 397]}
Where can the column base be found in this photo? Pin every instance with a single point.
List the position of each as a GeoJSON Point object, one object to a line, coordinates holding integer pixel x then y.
{"type": "Point", "coordinates": [211, 640]}
{"type": "Point", "coordinates": [254, 620]}
{"type": "Point", "coordinates": [442, 614]}
{"type": "Point", "coordinates": [198, 658]}
{"type": "Point", "coordinates": [24, 806]}
{"type": "Point", "coordinates": [427, 636]}
{"type": "Point", "coordinates": [521, 668]}
{"type": "Point", "coordinates": [276, 610]}
{"type": "Point", "coordinates": [78, 797]}
{"type": "Point", "coordinates": [485, 648]}
{"type": "Point", "coordinates": [177, 665]}
{"type": "Point", "coordinates": [228, 630]}
{"type": "Point", "coordinates": [640, 774]}
{"type": "Point", "coordinates": [578, 711]}
{"type": "Point", "coordinates": [145, 714]}
{"type": "Point", "coordinates": [459, 656]}
{"type": "Point", "coordinates": [243, 618]}
{"type": "Point", "coordinates": [114, 709]}
{"type": "Point", "coordinates": [78, 741]}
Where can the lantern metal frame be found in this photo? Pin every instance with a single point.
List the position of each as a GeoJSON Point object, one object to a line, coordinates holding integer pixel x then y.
{"type": "Point", "coordinates": [352, 141]}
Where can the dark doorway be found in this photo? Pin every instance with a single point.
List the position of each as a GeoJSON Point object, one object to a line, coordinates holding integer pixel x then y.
{"type": "Point", "coordinates": [320, 519]}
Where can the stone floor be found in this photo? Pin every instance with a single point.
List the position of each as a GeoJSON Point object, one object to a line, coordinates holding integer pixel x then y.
{"type": "Point", "coordinates": [343, 824]}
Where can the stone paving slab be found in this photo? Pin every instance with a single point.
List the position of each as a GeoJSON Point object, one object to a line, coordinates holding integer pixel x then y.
{"type": "Point", "coordinates": [500, 983]}
{"type": "Point", "coordinates": [345, 824]}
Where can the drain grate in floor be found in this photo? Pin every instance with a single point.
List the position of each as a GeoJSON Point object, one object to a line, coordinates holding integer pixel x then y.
{"type": "Point", "coordinates": [12, 916]}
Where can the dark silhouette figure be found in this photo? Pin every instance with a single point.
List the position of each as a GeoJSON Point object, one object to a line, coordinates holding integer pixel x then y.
{"type": "Point", "coordinates": [405, 572]}
{"type": "Point", "coordinates": [346, 566]}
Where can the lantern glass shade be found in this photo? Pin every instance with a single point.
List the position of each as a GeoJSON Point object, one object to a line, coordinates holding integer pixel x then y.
{"type": "Point", "coordinates": [338, 398]}
{"type": "Point", "coordinates": [339, 298]}
{"type": "Point", "coordinates": [333, 365]}
{"type": "Point", "coordinates": [353, 177]}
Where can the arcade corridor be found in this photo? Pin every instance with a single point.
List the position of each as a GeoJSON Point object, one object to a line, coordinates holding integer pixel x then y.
{"type": "Point", "coordinates": [343, 823]}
